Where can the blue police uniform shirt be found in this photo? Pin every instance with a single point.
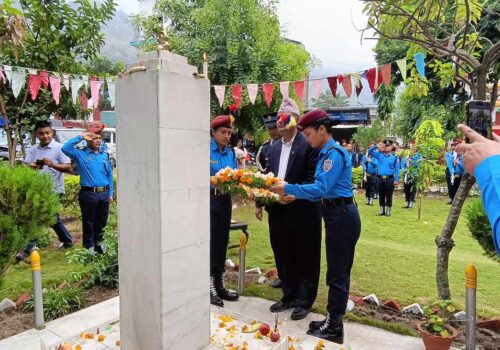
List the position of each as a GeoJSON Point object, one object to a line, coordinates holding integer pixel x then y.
{"type": "Point", "coordinates": [370, 168]}
{"type": "Point", "coordinates": [415, 162]}
{"type": "Point", "coordinates": [454, 169]}
{"type": "Point", "coordinates": [220, 160]}
{"type": "Point", "coordinates": [333, 177]}
{"type": "Point", "coordinates": [94, 168]}
{"type": "Point", "coordinates": [487, 174]}
{"type": "Point", "coordinates": [388, 164]}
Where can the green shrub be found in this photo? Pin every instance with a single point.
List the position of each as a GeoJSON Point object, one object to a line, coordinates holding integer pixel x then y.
{"type": "Point", "coordinates": [58, 302]}
{"type": "Point", "coordinates": [101, 269]}
{"type": "Point", "coordinates": [357, 177]}
{"type": "Point", "coordinates": [480, 228]}
{"type": "Point", "coordinates": [27, 206]}
{"type": "Point", "coordinates": [69, 202]}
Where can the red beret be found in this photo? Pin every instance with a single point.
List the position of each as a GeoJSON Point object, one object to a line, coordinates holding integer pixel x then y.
{"type": "Point", "coordinates": [96, 128]}
{"type": "Point", "coordinates": [223, 121]}
{"type": "Point", "coordinates": [311, 117]}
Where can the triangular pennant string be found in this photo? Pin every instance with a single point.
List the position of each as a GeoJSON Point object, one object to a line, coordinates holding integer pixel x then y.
{"type": "Point", "coordinates": [268, 89]}
{"type": "Point", "coordinates": [332, 82]}
{"type": "Point", "coordinates": [220, 92]}
{"type": "Point", "coordinates": [284, 88]}
{"type": "Point", "coordinates": [66, 81]}
{"type": "Point", "coordinates": [34, 84]}
{"type": "Point", "coordinates": [402, 67]}
{"type": "Point", "coordinates": [420, 63]}
{"type": "Point", "coordinates": [317, 87]}
{"type": "Point", "coordinates": [76, 84]}
{"type": "Point", "coordinates": [252, 90]}
{"type": "Point", "coordinates": [8, 72]}
{"type": "Point", "coordinates": [17, 81]}
{"type": "Point", "coordinates": [45, 78]}
{"type": "Point", "coordinates": [236, 92]}
{"type": "Point", "coordinates": [84, 100]}
{"type": "Point", "coordinates": [357, 83]}
{"type": "Point", "coordinates": [95, 87]}
{"type": "Point", "coordinates": [346, 85]}
{"type": "Point", "coordinates": [385, 72]}
{"type": "Point", "coordinates": [299, 89]}
{"type": "Point", "coordinates": [55, 86]}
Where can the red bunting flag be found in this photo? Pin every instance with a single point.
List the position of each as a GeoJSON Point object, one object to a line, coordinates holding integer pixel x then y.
{"type": "Point", "coordinates": [268, 89]}
{"type": "Point", "coordinates": [34, 84]}
{"type": "Point", "coordinates": [84, 100]}
{"type": "Point", "coordinates": [332, 82]}
{"type": "Point", "coordinates": [299, 88]}
{"type": "Point", "coordinates": [385, 72]}
{"type": "Point", "coordinates": [346, 84]}
{"type": "Point", "coordinates": [45, 78]}
{"type": "Point", "coordinates": [55, 86]}
{"type": "Point", "coordinates": [374, 79]}
{"type": "Point", "coordinates": [237, 90]}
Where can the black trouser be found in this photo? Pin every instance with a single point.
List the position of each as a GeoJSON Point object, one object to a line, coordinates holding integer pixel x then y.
{"type": "Point", "coordinates": [220, 223]}
{"type": "Point", "coordinates": [343, 227]}
{"type": "Point", "coordinates": [371, 185]}
{"type": "Point", "coordinates": [385, 191]}
{"type": "Point", "coordinates": [295, 231]}
{"type": "Point", "coordinates": [95, 211]}
{"type": "Point", "coordinates": [410, 190]}
{"type": "Point", "coordinates": [452, 188]}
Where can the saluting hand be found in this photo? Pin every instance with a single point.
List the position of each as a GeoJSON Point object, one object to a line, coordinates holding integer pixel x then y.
{"type": "Point", "coordinates": [480, 148]}
{"type": "Point", "coordinates": [88, 136]}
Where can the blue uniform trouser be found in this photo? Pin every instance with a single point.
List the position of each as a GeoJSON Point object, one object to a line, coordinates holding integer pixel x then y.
{"type": "Point", "coordinates": [342, 230]}
{"type": "Point", "coordinates": [95, 210]}
{"type": "Point", "coordinates": [220, 223]}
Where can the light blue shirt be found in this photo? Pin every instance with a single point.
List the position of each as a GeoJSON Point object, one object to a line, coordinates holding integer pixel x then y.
{"type": "Point", "coordinates": [415, 162]}
{"type": "Point", "coordinates": [370, 168]}
{"type": "Point", "coordinates": [487, 174]}
{"type": "Point", "coordinates": [455, 169]}
{"type": "Point", "coordinates": [220, 160]}
{"type": "Point", "coordinates": [53, 152]}
{"type": "Point", "coordinates": [388, 164]}
{"type": "Point", "coordinates": [95, 169]}
{"type": "Point", "coordinates": [333, 177]}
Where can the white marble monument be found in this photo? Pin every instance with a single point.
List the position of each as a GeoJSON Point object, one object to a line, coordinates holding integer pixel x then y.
{"type": "Point", "coordinates": [163, 115]}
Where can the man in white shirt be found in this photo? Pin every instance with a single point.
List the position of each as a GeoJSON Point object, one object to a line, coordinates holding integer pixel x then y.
{"type": "Point", "coordinates": [47, 157]}
{"type": "Point", "coordinates": [294, 228]}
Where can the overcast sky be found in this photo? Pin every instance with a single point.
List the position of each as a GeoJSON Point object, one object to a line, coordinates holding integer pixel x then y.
{"type": "Point", "coordinates": [327, 28]}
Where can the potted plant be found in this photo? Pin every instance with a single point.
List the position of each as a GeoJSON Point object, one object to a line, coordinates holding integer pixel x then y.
{"type": "Point", "coordinates": [435, 332]}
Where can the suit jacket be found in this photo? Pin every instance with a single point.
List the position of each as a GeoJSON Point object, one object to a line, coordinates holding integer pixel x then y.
{"type": "Point", "coordinates": [301, 168]}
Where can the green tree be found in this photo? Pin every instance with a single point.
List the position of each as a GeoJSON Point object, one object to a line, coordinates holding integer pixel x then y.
{"type": "Point", "coordinates": [364, 137]}
{"type": "Point", "coordinates": [453, 33]}
{"type": "Point", "coordinates": [326, 100]}
{"type": "Point", "coordinates": [243, 42]}
{"type": "Point", "coordinates": [385, 101]}
{"type": "Point", "coordinates": [59, 37]}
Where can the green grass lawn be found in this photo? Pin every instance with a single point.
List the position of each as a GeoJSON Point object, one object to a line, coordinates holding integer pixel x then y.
{"type": "Point", "coordinates": [395, 257]}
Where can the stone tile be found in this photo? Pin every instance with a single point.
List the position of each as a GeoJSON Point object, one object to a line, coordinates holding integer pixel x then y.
{"type": "Point", "coordinates": [30, 340]}
{"type": "Point", "coordinates": [184, 159]}
{"type": "Point", "coordinates": [185, 276]}
{"type": "Point", "coordinates": [185, 227]}
{"type": "Point", "coordinates": [187, 327]}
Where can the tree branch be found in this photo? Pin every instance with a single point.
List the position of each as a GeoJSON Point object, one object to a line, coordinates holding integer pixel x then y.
{"type": "Point", "coordinates": [491, 55]}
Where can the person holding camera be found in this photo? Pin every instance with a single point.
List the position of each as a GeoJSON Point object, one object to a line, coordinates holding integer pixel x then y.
{"type": "Point", "coordinates": [47, 158]}
{"type": "Point", "coordinates": [96, 185]}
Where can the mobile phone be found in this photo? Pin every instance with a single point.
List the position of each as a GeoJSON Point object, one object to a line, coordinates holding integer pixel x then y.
{"type": "Point", "coordinates": [478, 117]}
{"type": "Point", "coordinates": [39, 162]}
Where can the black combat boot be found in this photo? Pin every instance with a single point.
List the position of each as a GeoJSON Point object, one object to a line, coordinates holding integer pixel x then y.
{"type": "Point", "coordinates": [388, 211]}
{"type": "Point", "coordinates": [214, 297]}
{"type": "Point", "coordinates": [331, 329]}
{"type": "Point", "coordinates": [407, 205]}
{"type": "Point", "coordinates": [382, 211]}
{"type": "Point", "coordinates": [370, 201]}
{"type": "Point", "coordinates": [223, 291]}
{"type": "Point", "coordinates": [410, 205]}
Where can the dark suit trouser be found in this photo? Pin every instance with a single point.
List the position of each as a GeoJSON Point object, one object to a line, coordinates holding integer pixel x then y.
{"type": "Point", "coordinates": [370, 186]}
{"type": "Point", "coordinates": [452, 188]}
{"type": "Point", "coordinates": [296, 239]}
{"type": "Point", "coordinates": [385, 191]}
{"type": "Point", "coordinates": [410, 190]}
{"type": "Point", "coordinates": [342, 230]}
{"type": "Point", "coordinates": [95, 211]}
{"type": "Point", "coordinates": [220, 223]}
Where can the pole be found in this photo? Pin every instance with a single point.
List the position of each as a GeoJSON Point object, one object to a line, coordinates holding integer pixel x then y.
{"type": "Point", "coordinates": [36, 270]}
{"type": "Point", "coordinates": [241, 271]}
{"type": "Point", "coordinates": [470, 307]}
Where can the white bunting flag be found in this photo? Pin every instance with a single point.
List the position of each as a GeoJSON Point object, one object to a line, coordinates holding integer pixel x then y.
{"type": "Point", "coordinates": [252, 89]}
{"type": "Point", "coordinates": [220, 92]}
{"type": "Point", "coordinates": [284, 87]}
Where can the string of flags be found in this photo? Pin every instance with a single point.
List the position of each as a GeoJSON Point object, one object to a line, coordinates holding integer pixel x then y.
{"type": "Point", "coordinates": [17, 77]}
{"type": "Point", "coordinates": [350, 83]}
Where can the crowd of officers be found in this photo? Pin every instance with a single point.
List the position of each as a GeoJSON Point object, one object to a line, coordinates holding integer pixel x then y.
{"type": "Point", "coordinates": [317, 184]}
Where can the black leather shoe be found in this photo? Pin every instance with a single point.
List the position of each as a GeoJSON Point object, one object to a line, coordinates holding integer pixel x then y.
{"type": "Point", "coordinates": [215, 299]}
{"type": "Point", "coordinates": [223, 292]}
{"type": "Point", "coordinates": [300, 313]}
{"type": "Point", "coordinates": [314, 325]}
{"type": "Point", "coordinates": [280, 306]}
{"type": "Point", "coordinates": [277, 283]}
{"type": "Point", "coordinates": [331, 330]}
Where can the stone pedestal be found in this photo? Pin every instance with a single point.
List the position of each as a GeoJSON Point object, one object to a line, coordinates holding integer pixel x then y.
{"type": "Point", "coordinates": [163, 116]}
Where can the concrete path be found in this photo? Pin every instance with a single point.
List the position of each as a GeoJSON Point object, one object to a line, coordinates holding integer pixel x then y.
{"type": "Point", "coordinates": [357, 336]}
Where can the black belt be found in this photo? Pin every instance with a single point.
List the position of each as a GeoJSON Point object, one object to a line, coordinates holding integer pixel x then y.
{"type": "Point", "coordinates": [386, 176]}
{"type": "Point", "coordinates": [338, 202]}
{"type": "Point", "coordinates": [94, 189]}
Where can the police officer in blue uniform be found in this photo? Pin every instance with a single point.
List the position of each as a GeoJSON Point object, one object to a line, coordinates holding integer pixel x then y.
{"type": "Point", "coordinates": [388, 175]}
{"type": "Point", "coordinates": [96, 186]}
{"type": "Point", "coordinates": [409, 167]}
{"type": "Point", "coordinates": [454, 170]}
{"type": "Point", "coordinates": [221, 156]}
{"type": "Point", "coordinates": [482, 159]}
{"type": "Point", "coordinates": [333, 185]}
{"type": "Point", "coordinates": [370, 177]}
{"type": "Point", "coordinates": [262, 157]}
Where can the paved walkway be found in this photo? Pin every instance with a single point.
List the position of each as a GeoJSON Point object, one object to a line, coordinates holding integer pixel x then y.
{"type": "Point", "coordinates": [359, 337]}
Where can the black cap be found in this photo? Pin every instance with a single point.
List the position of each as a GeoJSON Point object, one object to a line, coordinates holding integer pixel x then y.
{"type": "Point", "coordinates": [270, 120]}
{"type": "Point", "coordinates": [387, 142]}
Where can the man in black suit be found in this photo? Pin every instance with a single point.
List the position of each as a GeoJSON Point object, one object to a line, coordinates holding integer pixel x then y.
{"type": "Point", "coordinates": [295, 227]}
